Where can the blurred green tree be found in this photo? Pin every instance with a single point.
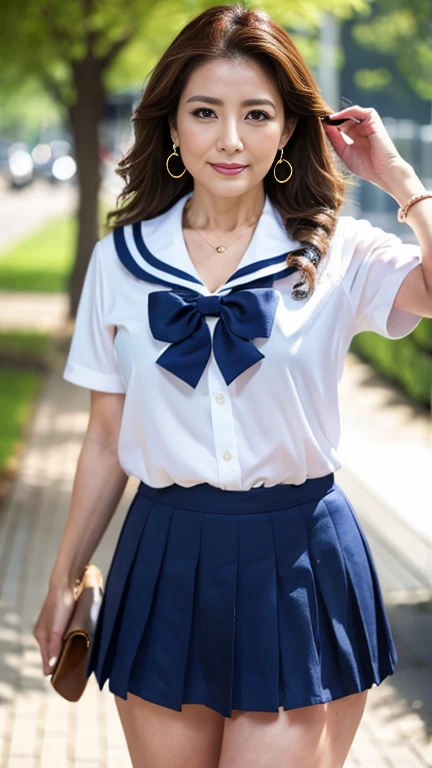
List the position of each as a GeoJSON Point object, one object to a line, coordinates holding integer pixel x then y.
{"type": "Point", "coordinates": [403, 29]}
{"type": "Point", "coordinates": [80, 49]}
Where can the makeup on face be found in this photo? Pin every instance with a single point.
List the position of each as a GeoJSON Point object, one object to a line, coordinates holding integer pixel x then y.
{"type": "Point", "coordinates": [228, 169]}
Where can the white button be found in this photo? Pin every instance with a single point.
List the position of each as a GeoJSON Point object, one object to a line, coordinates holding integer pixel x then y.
{"type": "Point", "coordinates": [220, 397]}
{"type": "Point", "coordinates": [227, 456]}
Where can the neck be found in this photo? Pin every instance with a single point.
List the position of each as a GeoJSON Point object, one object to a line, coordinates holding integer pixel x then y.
{"type": "Point", "coordinates": [224, 215]}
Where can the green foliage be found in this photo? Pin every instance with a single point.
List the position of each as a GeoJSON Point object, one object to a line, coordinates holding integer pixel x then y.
{"type": "Point", "coordinates": [18, 390]}
{"type": "Point", "coordinates": [386, 32]}
{"type": "Point", "coordinates": [45, 38]}
{"type": "Point", "coordinates": [403, 30]}
{"type": "Point", "coordinates": [41, 261]}
{"type": "Point", "coordinates": [407, 361]}
{"type": "Point", "coordinates": [422, 335]}
{"type": "Point", "coordinates": [373, 79]}
{"type": "Point", "coordinates": [25, 342]}
{"type": "Point", "coordinates": [26, 110]}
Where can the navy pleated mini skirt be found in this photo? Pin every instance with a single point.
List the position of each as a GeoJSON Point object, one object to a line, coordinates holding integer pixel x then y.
{"type": "Point", "coordinates": [250, 600]}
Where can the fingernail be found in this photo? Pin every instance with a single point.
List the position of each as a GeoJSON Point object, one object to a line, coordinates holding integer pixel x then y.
{"type": "Point", "coordinates": [52, 660]}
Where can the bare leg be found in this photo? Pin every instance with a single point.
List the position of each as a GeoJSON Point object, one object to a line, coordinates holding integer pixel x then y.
{"type": "Point", "coordinates": [317, 736]}
{"type": "Point", "coordinates": [158, 737]}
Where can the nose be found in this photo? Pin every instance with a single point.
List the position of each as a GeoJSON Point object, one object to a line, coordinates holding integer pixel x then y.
{"type": "Point", "coordinates": [229, 137]}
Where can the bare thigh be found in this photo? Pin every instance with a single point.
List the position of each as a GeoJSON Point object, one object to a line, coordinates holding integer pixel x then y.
{"type": "Point", "coordinates": [317, 736]}
{"type": "Point", "coordinates": [158, 737]}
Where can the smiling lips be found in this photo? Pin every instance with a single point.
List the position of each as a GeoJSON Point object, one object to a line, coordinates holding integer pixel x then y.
{"type": "Point", "coordinates": [228, 169]}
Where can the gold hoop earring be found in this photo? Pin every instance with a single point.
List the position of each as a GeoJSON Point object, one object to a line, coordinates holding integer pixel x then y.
{"type": "Point", "coordinates": [281, 160]}
{"type": "Point", "coordinates": [176, 155]}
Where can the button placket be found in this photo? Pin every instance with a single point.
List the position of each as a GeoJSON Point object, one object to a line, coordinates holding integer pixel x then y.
{"type": "Point", "coordinates": [223, 430]}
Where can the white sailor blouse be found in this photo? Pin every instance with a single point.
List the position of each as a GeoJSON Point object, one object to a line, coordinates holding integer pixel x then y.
{"type": "Point", "coordinates": [238, 387]}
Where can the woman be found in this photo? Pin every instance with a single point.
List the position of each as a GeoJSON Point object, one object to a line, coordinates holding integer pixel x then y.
{"type": "Point", "coordinates": [243, 621]}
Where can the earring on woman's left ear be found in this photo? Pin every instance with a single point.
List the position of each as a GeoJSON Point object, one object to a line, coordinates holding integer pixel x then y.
{"type": "Point", "coordinates": [282, 160]}
{"type": "Point", "coordinates": [175, 153]}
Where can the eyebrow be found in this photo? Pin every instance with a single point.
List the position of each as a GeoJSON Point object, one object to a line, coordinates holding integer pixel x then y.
{"type": "Point", "coordinates": [246, 103]}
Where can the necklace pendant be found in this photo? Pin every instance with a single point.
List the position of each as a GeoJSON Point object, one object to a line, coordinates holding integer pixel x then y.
{"type": "Point", "coordinates": [221, 248]}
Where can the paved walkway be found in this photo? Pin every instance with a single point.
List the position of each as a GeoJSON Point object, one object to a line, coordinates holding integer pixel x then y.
{"type": "Point", "coordinates": [386, 444]}
{"type": "Point", "coordinates": [37, 727]}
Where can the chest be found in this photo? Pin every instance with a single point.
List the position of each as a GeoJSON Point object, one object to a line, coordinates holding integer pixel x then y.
{"type": "Point", "coordinates": [214, 268]}
{"type": "Point", "coordinates": [306, 346]}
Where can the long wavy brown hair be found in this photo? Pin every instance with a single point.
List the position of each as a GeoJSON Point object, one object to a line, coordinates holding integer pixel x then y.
{"type": "Point", "coordinates": [308, 203]}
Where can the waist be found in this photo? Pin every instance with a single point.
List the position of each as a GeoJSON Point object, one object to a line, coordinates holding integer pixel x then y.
{"type": "Point", "coordinates": [204, 497]}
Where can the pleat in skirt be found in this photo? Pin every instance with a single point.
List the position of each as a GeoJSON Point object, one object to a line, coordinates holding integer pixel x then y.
{"type": "Point", "coordinates": [249, 600]}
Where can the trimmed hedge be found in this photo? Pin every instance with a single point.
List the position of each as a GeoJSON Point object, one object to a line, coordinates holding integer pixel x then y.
{"type": "Point", "coordinates": [407, 361]}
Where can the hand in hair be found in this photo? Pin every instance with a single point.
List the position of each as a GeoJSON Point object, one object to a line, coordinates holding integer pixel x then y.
{"type": "Point", "coordinates": [369, 151]}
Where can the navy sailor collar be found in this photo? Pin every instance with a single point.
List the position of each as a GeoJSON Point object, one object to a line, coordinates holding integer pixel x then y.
{"type": "Point", "coordinates": [154, 250]}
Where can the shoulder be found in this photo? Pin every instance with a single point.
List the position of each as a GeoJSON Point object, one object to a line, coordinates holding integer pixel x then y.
{"type": "Point", "coordinates": [106, 254]}
{"type": "Point", "coordinates": [357, 232]}
{"type": "Point", "coordinates": [356, 241]}
{"type": "Point", "coordinates": [351, 232]}
{"type": "Point", "coordinates": [105, 247]}
{"type": "Point", "coordinates": [337, 259]}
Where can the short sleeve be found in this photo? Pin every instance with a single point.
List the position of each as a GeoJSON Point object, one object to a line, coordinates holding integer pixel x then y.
{"type": "Point", "coordinates": [91, 361]}
{"type": "Point", "coordinates": [376, 263]}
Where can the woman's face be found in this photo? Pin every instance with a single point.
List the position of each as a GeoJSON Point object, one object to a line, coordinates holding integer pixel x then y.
{"type": "Point", "coordinates": [215, 125]}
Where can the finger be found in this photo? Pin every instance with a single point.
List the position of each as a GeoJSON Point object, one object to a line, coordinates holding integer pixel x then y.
{"type": "Point", "coordinates": [349, 128]}
{"type": "Point", "coordinates": [366, 127]}
{"type": "Point", "coordinates": [362, 113]}
{"type": "Point", "coordinates": [51, 664]}
{"type": "Point", "coordinates": [43, 645]}
{"type": "Point", "coordinates": [54, 648]}
{"type": "Point", "coordinates": [54, 643]}
{"type": "Point", "coordinates": [337, 139]}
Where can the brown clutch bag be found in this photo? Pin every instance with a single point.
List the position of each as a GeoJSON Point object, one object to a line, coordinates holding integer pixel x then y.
{"type": "Point", "coordinates": [69, 674]}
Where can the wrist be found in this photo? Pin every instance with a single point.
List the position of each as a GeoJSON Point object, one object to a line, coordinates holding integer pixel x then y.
{"type": "Point", "coordinates": [60, 585]}
{"type": "Point", "coordinates": [64, 578]}
{"type": "Point", "coordinates": [401, 182]}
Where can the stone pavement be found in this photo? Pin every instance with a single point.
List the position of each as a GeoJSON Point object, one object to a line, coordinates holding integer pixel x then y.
{"type": "Point", "coordinates": [38, 729]}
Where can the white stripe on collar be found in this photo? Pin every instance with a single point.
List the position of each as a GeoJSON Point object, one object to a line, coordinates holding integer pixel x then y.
{"type": "Point", "coordinates": [154, 250]}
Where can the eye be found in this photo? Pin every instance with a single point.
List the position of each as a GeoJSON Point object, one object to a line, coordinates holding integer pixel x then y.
{"type": "Point", "coordinates": [201, 109]}
{"type": "Point", "coordinates": [259, 112]}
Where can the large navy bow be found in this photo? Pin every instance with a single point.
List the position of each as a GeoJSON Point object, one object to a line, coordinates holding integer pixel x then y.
{"type": "Point", "coordinates": [178, 316]}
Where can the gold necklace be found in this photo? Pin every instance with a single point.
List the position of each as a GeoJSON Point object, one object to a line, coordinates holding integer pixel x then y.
{"type": "Point", "coordinates": [219, 248]}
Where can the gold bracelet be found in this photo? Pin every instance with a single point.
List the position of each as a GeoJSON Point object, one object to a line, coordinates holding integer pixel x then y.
{"type": "Point", "coordinates": [403, 210]}
{"type": "Point", "coordinates": [77, 583]}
